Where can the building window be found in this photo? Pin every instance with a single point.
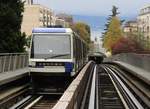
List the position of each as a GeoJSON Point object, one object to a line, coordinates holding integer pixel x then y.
{"type": "Point", "coordinates": [147, 19]}
{"type": "Point", "coordinates": [41, 19]}
{"type": "Point", "coordinates": [41, 11]}
{"type": "Point", "coordinates": [147, 28]}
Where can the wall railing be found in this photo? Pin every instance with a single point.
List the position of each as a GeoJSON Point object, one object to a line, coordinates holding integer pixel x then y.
{"type": "Point", "coordinates": [13, 61]}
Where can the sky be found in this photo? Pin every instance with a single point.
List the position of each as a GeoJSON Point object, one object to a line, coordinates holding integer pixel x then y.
{"type": "Point", "coordinates": [94, 7]}
{"type": "Point", "coordinates": [128, 9]}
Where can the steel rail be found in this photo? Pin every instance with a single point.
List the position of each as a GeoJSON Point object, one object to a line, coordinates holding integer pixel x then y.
{"type": "Point", "coordinates": [118, 91]}
{"type": "Point", "coordinates": [97, 94]}
{"type": "Point", "coordinates": [86, 90]}
{"type": "Point", "coordinates": [135, 85]}
{"type": "Point", "coordinates": [109, 96]}
{"type": "Point", "coordinates": [14, 94]}
{"type": "Point", "coordinates": [19, 104]}
{"type": "Point", "coordinates": [126, 90]}
{"type": "Point", "coordinates": [33, 103]}
{"type": "Point", "coordinates": [93, 90]}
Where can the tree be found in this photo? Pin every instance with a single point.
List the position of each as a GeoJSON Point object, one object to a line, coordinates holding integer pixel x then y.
{"type": "Point", "coordinates": [83, 30]}
{"type": "Point", "coordinates": [114, 11]}
{"type": "Point", "coordinates": [114, 14]}
{"type": "Point", "coordinates": [125, 45]}
{"type": "Point", "coordinates": [113, 30]}
{"type": "Point", "coordinates": [138, 36]}
{"type": "Point", "coordinates": [113, 34]}
{"type": "Point", "coordinates": [11, 39]}
{"type": "Point", "coordinates": [28, 41]}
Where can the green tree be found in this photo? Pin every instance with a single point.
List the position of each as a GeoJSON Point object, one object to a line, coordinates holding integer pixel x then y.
{"type": "Point", "coordinates": [83, 30]}
{"type": "Point", "coordinates": [11, 39]}
{"type": "Point", "coordinates": [112, 29]}
{"type": "Point", "coordinates": [28, 41]}
{"type": "Point", "coordinates": [113, 34]}
{"type": "Point", "coordinates": [114, 13]}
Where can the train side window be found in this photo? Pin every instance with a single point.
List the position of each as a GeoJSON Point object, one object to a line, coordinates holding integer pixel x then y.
{"type": "Point", "coordinates": [74, 46]}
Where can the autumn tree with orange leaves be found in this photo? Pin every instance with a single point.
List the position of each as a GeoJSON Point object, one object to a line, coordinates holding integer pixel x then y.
{"type": "Point", "coordinates": [83, 30]}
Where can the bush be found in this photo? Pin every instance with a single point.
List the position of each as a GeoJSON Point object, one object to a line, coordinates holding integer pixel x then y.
{"type": "Point", "coordinates": [125, 45]}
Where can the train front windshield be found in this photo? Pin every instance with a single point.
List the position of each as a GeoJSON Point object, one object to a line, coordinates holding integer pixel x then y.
{"type": "Point", "coordinates": [50, 46]}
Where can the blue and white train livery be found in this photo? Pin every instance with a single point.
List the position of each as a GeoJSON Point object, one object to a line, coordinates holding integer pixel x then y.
{"type": "Point", "coordinates": [56, 51]}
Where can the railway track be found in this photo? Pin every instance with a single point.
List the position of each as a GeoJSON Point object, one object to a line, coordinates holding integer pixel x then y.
{"type": "Point", "coordinates": [44, 94]}
{"type": "Point", "coordinates": [43, 102]}
{"type": "Point", "coordinates": [37, 102]}
{"type": "Point", "coordinates": [139, 88]}
{"type": "Point", "coordinates": [21, 97]}
{"type": "Point", "coordinates": [113, 91]}
{"type": "Point", "coordinates": [107, 94]}
{"type": "Point", "coordinates": [11, 96]}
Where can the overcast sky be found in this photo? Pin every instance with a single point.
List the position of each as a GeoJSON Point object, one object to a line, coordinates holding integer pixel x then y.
{"type": "Point", "coordinates": [94, 7]}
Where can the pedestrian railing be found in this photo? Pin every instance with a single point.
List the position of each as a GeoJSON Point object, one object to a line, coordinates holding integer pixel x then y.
{"type": "Point", "coordinates": [13, 61]}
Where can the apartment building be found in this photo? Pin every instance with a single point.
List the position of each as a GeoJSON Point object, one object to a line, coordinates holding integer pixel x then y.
{"type": "Point", "coordinates": [36, 15]}
{"type": "Point", "coordinates": [61, 22]}
{"type": "Point", "coordinates": [144, 21]}
{"type": "Point", "coordinates": [130, 27]}
{"type": "Point", "coordinates": [66, 17]}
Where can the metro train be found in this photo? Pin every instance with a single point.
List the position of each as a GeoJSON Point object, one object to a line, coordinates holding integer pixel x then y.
{"type": "Point", "coordinates": [56, 51]}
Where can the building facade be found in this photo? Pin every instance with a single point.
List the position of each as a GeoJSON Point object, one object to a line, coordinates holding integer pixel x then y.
{"type": "Point", "coordinates": [61, 22]}
{"type": "Point", "coordinates": [144, 21]}
{"type": "Point", "coordinates": [28, 2]}
{"type": "Point", "coordinates": [36, 16]}
{"type": "Point", "coordinates": [130, 27]}
{"type": "Point", "coordinates": [66, 17]}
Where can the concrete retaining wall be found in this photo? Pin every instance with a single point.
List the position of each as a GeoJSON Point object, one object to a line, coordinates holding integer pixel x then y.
{"type": "Point", "coordinates": [72, 97]}
{"type": "Point", "coordinates": [139, 60]}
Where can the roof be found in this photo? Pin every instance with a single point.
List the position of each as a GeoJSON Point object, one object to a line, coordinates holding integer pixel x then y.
{"type": "Point", "coordinates": [145, 6]}
{"type": "Point", "coordinates": [51, 30]}
{"type": "Point", "coordinates": [130, 23]}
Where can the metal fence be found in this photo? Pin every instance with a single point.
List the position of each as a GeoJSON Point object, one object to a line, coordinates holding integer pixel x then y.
{"type": "Point", "coordinates": [13, 61]}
